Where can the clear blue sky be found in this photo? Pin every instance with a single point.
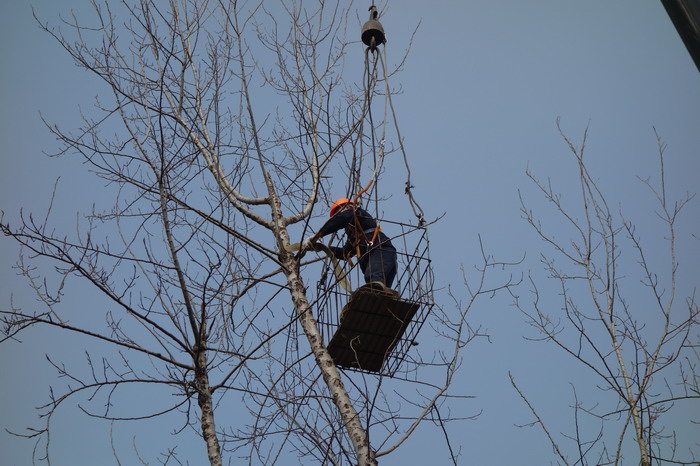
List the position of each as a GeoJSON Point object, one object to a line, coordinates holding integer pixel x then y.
{"type": "Point", "coordinates": [483, 86]}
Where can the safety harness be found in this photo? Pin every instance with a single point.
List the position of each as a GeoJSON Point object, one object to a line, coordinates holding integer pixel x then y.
{"type": "Point", "coordinates": [360, 233]}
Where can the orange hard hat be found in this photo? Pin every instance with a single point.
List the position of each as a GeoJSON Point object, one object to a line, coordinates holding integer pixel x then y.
{"type": "Point", "coordinates": [338, 203]}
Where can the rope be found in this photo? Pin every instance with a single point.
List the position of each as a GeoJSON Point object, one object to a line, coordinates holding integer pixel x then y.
{"type": "Point", "coordinates": [358, 143]}
{"type": "Point", "coordinates": [363, 191]}
{"type": "Point", "coordinates": [417, 209]}
{"type": "Point", "coordinates": [338, 271]}
{"type": "Point", "coordinates": [378, 157]}
{"type": "Point", "coordinates": [371, 73]}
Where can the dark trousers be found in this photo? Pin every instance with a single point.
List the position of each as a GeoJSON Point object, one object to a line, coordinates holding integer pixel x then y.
{"type": "Point", "coordinates": [380, 265]}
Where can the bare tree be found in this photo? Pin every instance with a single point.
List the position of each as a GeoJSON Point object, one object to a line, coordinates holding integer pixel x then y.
{"type": "Point", "coordinates": [219, 129]}
{"type": "Point", "coordinates": [642, 351]}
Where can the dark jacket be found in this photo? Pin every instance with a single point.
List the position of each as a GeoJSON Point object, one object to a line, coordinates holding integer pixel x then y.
{"type": "Point", "coordinates": [349, 218]}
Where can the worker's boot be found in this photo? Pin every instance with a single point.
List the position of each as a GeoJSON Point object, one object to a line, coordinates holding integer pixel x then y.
{"type": "Point", "coordinates": [382, 288]}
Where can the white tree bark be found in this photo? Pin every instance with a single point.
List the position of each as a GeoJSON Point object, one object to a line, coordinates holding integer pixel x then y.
{"type": "Point", "coordinates": [207, 410]}
{"type": "Point", "coordinates": [331, 376]}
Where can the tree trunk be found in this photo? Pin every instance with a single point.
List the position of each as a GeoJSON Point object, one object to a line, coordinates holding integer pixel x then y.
{"type": "Point", "coordinates": [351, 419]}
{"type": "Point", "coordinates": [330, 373]}
{"type": "Point", "coordinates": [207, 410]}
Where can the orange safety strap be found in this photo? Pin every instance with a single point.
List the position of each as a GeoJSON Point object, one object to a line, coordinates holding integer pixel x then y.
{"type": "Point", "coordinates": [358, 226]}
{"type": "Point", "coordinates": [363, 191]}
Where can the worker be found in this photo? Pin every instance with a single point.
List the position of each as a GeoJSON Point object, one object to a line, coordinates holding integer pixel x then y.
{"type": "Point", "coordinates": [365, 239]}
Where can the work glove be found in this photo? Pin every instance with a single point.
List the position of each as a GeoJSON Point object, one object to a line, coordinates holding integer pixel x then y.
{"type": "Point", "coordinates": [309, 243]}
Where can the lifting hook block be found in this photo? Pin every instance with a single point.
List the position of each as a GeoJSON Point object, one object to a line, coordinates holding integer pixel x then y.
{"type": "Point", "coordinates": [372, 31]}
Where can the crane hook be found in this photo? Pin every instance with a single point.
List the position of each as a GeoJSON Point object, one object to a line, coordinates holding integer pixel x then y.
{"type": "Point", "coordinates": [372, 31]}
